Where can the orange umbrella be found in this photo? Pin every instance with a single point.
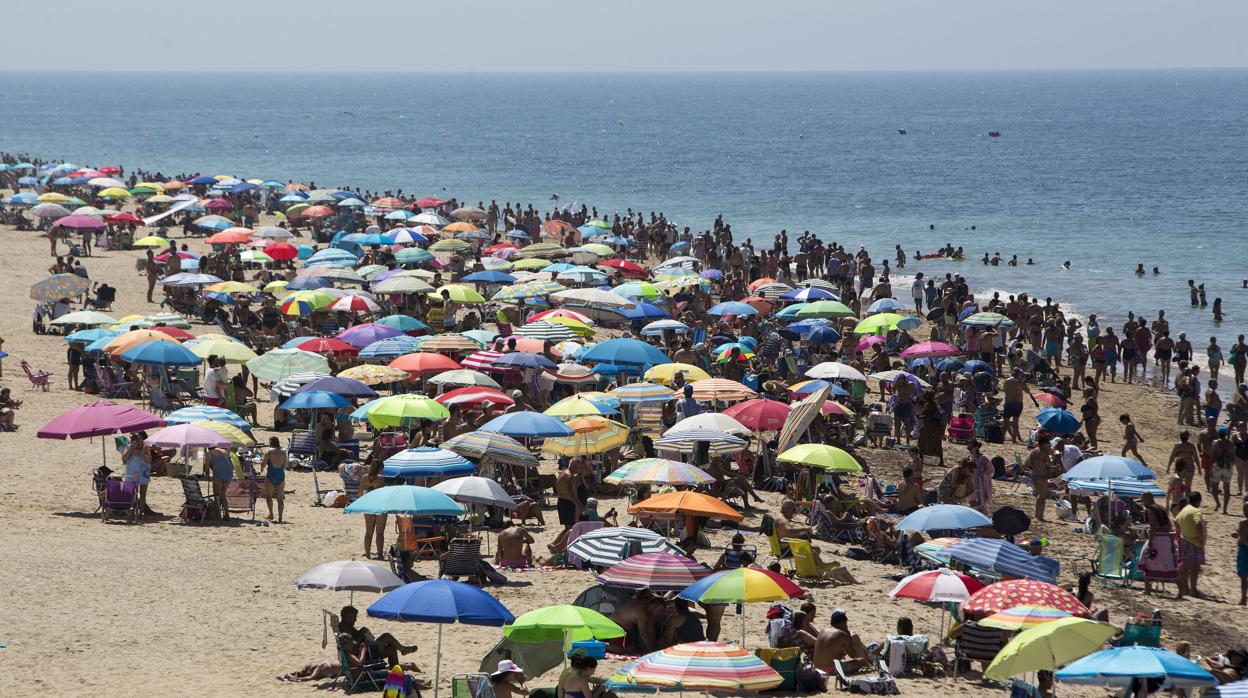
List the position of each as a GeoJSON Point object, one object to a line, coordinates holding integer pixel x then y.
{"type": "Point", "coordinates": [229, 237]}
{"type": "Point", "coordinates": [421, 362]}
{"type": "Point", "coordinates": [690, 503]}
{"type": "Point", "coordinates": [582, 425]}
{"type": "Point", "coordinates": [761, 282]}
{"type": "Point", "coordinates": [122, 342]}
{"type": "Point", "coordinates": [556, 228]}
{"type": "Point", "coordinates": [762, 305]}
{"type": "Point", "coordinates": [389, 202]}
{"type": "Point", "coordinates": [529, 344]}
{"type": "Point", "coordinates": [460, 227]}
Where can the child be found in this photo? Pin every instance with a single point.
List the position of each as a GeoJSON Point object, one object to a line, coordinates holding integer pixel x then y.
{"type": "Point", "coordinates": [1131, 439]}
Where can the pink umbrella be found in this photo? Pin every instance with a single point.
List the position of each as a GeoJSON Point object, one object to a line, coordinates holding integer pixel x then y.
{"type": "Point", "coordinates": [218, 205]}
{"type": "Point", "coordinates": [869, 342]}
{"type": "Point", "coordinates": [79, 222]}
{"type": "Point", "coordinates": [101, 418]}
{"type": "Point", "coordinates": [929, 350]}
{"type": "Point", "coordinates": [760, 415]}
{"type": "Point", "coordinates": [184, 437]}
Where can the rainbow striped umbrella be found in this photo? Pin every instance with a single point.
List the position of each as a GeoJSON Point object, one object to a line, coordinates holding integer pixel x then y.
{"type": "Point", "coordinates": [742, 585]}
{"type": "Point", "coordinates": [228, 431]}
{"type": "Point", "coordinates": [499, 448]}
{"type": "Point", "coordinates": [703, 666]}
{"type": "Point", "coordinates": [937, 549]}
{"type": "Point", "coordinates": [1023, 617]}
{"type": "Point", "coordinates": [654, 571]}
{"type": "Point", "coordinates": [642, 392]}
{"type": "Point", "coordinates": [661, 471]}
{"type": "Point", "coordinates": [800, 419]}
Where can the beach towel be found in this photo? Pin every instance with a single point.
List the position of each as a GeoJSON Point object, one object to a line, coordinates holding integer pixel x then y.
{"type": "Point", "coordinates": [396, 684]}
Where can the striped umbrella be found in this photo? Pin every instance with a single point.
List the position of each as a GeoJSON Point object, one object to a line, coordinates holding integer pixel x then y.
{"type": "Point", "coordinates": [1022, 592]}
{"type": "Point", "coordinates": [703, 666]}
{"type": "Point", "coordinates": [1023, 617]}
{"type": "Point", "coordinates": [1004, 559]}
{"type": "Point", "coordinates": [496, 447]}
{"type": "Point", "coordinates": [482, 360]}
{"type": "Point", "coordinates": [642, 392]}
{"type": "Point", "coordinates": [577, 406]}
{"type": "Point", "coordinates": [206, 413]}
{"type": "Point", "coordinates": [720, 389]}
{"type": "Point", "coordinates": [277, 364]}
{"type": "Point", "coordinates": [1237, 689]}
{"type": "Point", "coordinates": [564, 313]}
{"type": "Point", "coordinates": [475, 395]}
{"type": "Point", "coordinates": [450, 342]}
{"type": "Point", "coordinates": [1122, 488]}
{"type": "Point", "coordinates": [465, 377]}
{"type": "Point", "coordinates": [800, 419]}
{"type": "Point", "coordinates": [937, 549]}
{"type": "Point", "coordinates": [660, 471]}
{"type": "Point", "coordinates": [663, 571]}
{"type": "Point", "coordinates": [936, 586]}
{"type": "Point", "coordinates": [613, 435]}
{"type": "Point", "coordinates": [392, 347]}
{"type": "Point", "coordinates": [401, 284]}
{"type": "Point", "coordinates": [574, 374]}
{"type": "Point", "coordinates": [719, 442]}
{"type": "Point", "coordinates": [371, 374]}
{"type": "Point", "coordinates": [987, 320]}
{"type": "Point", "coordinates": [427, 462]}
{"type": "Point", "coordinates": [231, 433]}
{"type": "Point", "coordinates": [291, 384]}
{"type": "Point", "coordinates": [608, 546]}
{"type": "Point", "coordinates": [547, 330]}
{"type": "Point", "coordinates": [742, 585]}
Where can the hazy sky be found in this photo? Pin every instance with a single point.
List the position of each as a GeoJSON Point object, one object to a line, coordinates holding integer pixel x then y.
{"type": "Point", "coordinates": [624, 35]}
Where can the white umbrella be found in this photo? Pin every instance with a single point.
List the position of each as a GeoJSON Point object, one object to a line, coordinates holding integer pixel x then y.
{"type": "Point", "coordinates": [50, 211]}
{"type": "Point", "coordinates": [709, 420]}
{"type": "Point", "coordinates": [476, 490]}
{"type": "Point", "coordinates": [273, 233]}
{"type": "Point", "coordinates": [593, 297]}
{"type": "Point", "coordinates": [687, 440]}
{"type": "Point", "coordinates": [834, 370]}
{"type": "Point", "coordinates": [349, 575]}
{"type": "Point", "coordinates": [428, 218]}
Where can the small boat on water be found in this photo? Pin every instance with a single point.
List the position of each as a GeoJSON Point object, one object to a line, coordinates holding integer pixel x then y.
{"type": "Point", "coordinates": [902, 131]}
{"type": "Point", "coordinates": [994, 134]}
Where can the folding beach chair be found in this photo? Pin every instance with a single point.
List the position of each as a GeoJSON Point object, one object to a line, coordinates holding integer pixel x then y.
{"type": "Point", "coordinates": [1109, 564]}
{"type": "Point", "coordinates": [462, 559]}
{"type": "Point", "coordinates": [471, 686]}
{"type": "Point", "coordinates": [240, 497]}
{"type": "Point", "coordinates": [120, 497]}
{"type": "Point", "coordinates": [38, 379]}
{"type": "Point", "coordinates": [878, 682]}
{"type": "Point", "coordinates": [195, 505]}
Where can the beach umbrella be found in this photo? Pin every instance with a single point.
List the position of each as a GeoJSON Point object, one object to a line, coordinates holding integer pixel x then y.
{"type": "Point", "coordinates": [882, 323]}
{"type": "Point", "coordinates": [526, 424]}
{"type": "Point", "coordinates": [400, 284]}
{"type": "Point", "coordinates": [687, 441]}
{"type": "Point", "coordinates": [424, 362]}
{"type": "Point", "coordinates": [604, 547]}
{"type": "Point", "coordinates": [1019, 592]}
{"type": "Point", "coordinates": [806, 295]}
{"type": "Point", "coordinates": [1235, 689]}
{"type": "Point", "coordinates": [483, 445]}
{"type": "Point", "coordinates": [392, 347]}
{"type": "Point", "coordinates": [760, 415]}
{"type": "Point", "coordinates": [591, 435]}
{"type": "Point", "coordinates": [441, 601]}
{"type": "Point", "coordinates": [465, 377]}
{"type": "Point", "coordinates": [92, 335]}
{"type": "Point", "coordinates": [405, 499]}
{"type": "Point", "coordinates": [936, 586]}
{"type": "Point", "coordinates": [577, 406]}
{"type": "Point", "coordinates": [58, 286]}
{"type": "Point", "coordinates": [161, 353]}
{"type": "Point", "coordinates": [1058, 421]}
{"type": "Point", "coordinates": [833, 370]}
{"type": "Point", "coordinates": [624, 350]}
{"type": "Point", "coordinates": [206, 413]}
{"type": "Point", "coordinates": [100, 418]}
{"type": "Point", "coordinates": [986, 319]}
{"type": "Point", "coordinates": [370, 374]}
{"type": "Point", "coordinates": [1122, 666]}
{"type": "Point", "coordinates": [349, 575]}
{"type": "Point", "coordinates": [325, 345]}
{"type": "Point", "coordinates": [226, 349]}
{"type": "Point", "coordinates": [685, 502]}
{"type": "Point", "coordinates": [547, 330]}
{"type": "Point", "coordinates": [564, 623]}
{"type": "Point", "coordinates": [339, 385]}
{"type": "Point", "coordinates": [450, 342]}
{"type": "Point", "coordinates": [664, 373]}
{"type": "Point", "coordinates": [1049, 646]}
{"type": "Point", "coordinates": [660, 471]}
{"type": "Point", "coordinates": [522, 359]}
{"type": "Point", "coordinates": [700, 666]}
{"type": "Point", "coordinates": [822, 456]}
{"type": "Point", "coordinates": [403, 323]}
{"type": "Point", "coordinates": [574, 374]}
{"type": "Point", "coordinates": [731, 308]}
{"type": "Point", "coordinates": [1109, 468]}
{"type": "Point", "coordinates": [314, 400]}
{"type": "Point", "coordinates": [425, 462]}
{"type": "Point", "coordinates": [400, 410]}
{"type": "Point", "coordinates": [940, 517]}
{"type": "Point", "coordinates": [658, 327]}
{"type": "Point", "coordinates": [742, 585]}
{"type": "Point", "coordinates": [1023, 617]}
{"type": "Point", "coordinates": [592, 297]}
{"type": "Point", "coordinates": [79, 222]}
{"type": "Point", "coordinates": [824, 309]}
{"type": "Point", "coordinates": [885, 305]}
{"type": "Point", "coordinates": [87, 318]}
{"type": "Point", "coordinates": [657, 571]}
{"type": "Point", "coordinates": [365, 334]}
{"type": "Point", "coordinates": [1003, 559]}
{"type": "Point", "coordinates": [929, 350]}
{"type": "Point", "coordinates": [476, 490]}
{"type": "Point", "coordinates": [1120, 488]}
{"type": "Point", "coordinates": [184, 437]}
{"type": "Point", "coordinates": [721, 389]}
{"type": "Point", "coordinates": [288, 385]}
{"type": "Point", "coordinates": [813, 386]}
{"type": "Point", "coordinates": [634, 393]}
{"type": "Point", "coordinates": [276, 364]}
{"type": "Point", "coordinates": [50, 211]}
{"type": "Point", "coordinates": [715, 421]}
{"type": "Point", "coordinates": [231, 433]}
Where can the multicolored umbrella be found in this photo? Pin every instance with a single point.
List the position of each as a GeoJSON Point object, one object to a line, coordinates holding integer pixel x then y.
{"type": "Point", "coordinates": [800, 419]}
{"type": "Point", "coordinates": [660, 471]}
{"type": "Point", "coordinates": [932, 586]}
{"type": "Point", "coordinates": [427, 462]}
{"type": "Point", "coordinates": [663, 374]}
{"type": "Point", "coordinates": [229, 432]}
{"type": "Point", "coordinates": [1022, 592]}
{"type": "Point", "coordinates": [59, 286]}
{"type": "Point", "coordinates": [703, 666]}
{"type": "Point", "coordinates": [642, 393]}
{"type": "Point", "coordinates": [589, 441]}
{"type": "Point", "coordinates": [481, 445]}
{"type": "Point", "coordinates": [720, 389]}
{"type": "Point", "coordinates": [371, 374]}
{"type": "Point", "coordinates": [400, 410]}
{"type": "Point", "coordinates": [1023, 617]}
{"type": "Point", "coordinates": [662, 571]}
{"type": "Point", "coordinates": [206, 413]}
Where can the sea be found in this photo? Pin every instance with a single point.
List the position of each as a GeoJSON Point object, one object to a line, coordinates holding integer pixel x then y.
{"type": "Point", "coordinates": [1106, 170]}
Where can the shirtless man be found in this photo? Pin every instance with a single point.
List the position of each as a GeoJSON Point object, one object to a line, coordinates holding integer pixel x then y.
{"type": "Point", "coordinates": [1184, 451]}
{"type": "Point", "coordinates": [903, 410]}
{"type": "Point", "coordinates": [1040, 464]}
{"type": "Point", "coordinates": [1204, 444]}
{"type": "Point", "coordinates": [1222, 470]}
{"type": "Point", "coordinates": [1012, 408]}
{"type": "Point", "coordinates": [567, 482]}
{"type": "Point", "coordinates": [837, 642]}
{"type": "Point", "coordinates": [514, 547]}
{"type": "Point", "coordinates": [639, 619]}
{"type": "Point", "coordinates": [786, 528]}
{"type": "Point", "coordinates": [910, 494]}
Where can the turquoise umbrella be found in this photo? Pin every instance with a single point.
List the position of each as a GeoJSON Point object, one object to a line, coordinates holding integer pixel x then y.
{"type": "Point", "coordinates": [405, 499]}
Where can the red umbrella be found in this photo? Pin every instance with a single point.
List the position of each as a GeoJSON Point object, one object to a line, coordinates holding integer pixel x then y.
{"type": "Point", "coordinates": [110, 169]}
{"type": "Point", "coordinates": [386, 202]}
{"type": "Point", "coordinates": [316, 212]}
{"type": "Point", "coordinates": [936, 586]}
{"type": "Point", "coordinates": [626, 268]}
{"type": "Point", "coordinates": [422, 362]}
{"type": "Point", "coordinates": [323, 345]}
{"type": "Point", "coordinates": [124, 218]}
{"type": "Point", "coordinates": [759, 414]}
{"type": "Point", "coordinates": [430, 202]}
{"type": "Point", "coordinates": [500, 246]}
{"type": "Point", "coordinates": [176, 332]}
{"type": "Point", "coordinates": [1022, 592]}
{"type": "Point", "coordinates": [482, 360]}
{"type": "Point", "coordinates": [281, 250]}
{"type": "Point", "coordinates": [475, 395]}
{"type": "Point", "coordinates": [762, 305]}
{"type": "Point", "coordinates": [181, 255]}
{"type": "Point", "coordinates": [1050, 399]}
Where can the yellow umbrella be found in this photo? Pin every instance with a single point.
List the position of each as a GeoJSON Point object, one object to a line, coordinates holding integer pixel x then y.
{"type": "Point", "coordinates": [1049, 647]}
{"type": "Point", "coordinates": [52, 197]}
{"type": "Point", "coordinates": [151, 241]}
{"type": "Point", "coordinates": [664, 373]}
{"type": "Point", "coordinates": [231, 433]}
{"type": "Point", "coordinates": [232, 287]}
{"type": "Point", "coordinates": [370, 374]}
{"type": "Point", "coordinates": [151, 185]}
{"type": "Point", "coordinates": [460, 227]}
{"type": "Point", "coordinates": [275, 286]}
{"type": "Point", "coordinates": [573, 324]}
{"type": "Point", "coordinates": [612, 435]}
{"type": "Point", "coordinates": [459, 294]}
{"type": "Point", "coordinates": [227, 349]}
{"type": "Point", "coordinates": [114, 193]}
{"type": "Point", "coordinates": [575, 406]}
{"type": "Point", "coordinates": [119, 344]}
{"type": "Point", "coordinates": [159, 199]}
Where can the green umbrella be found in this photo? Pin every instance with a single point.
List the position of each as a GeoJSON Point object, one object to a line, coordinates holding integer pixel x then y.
{"type": "Point", "coordinates": [562, 622]}
{"type": "Point", "coordinates": [879, 323]}
{"type": "Point", "coordinates": [822, 456]}
{"type": "Point", "coordinates": [825, 309]}
{"type": "Point", "coordinates": [398, 410]}
{"type": "Point", "coordinates": [282, 363]}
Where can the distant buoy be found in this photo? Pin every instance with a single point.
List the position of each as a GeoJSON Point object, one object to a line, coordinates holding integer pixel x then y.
{"type": "Point", "coordinates": [994, 134]}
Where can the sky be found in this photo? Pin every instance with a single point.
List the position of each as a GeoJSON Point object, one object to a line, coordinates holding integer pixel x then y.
{"type": "Point", "coordinates": [625, 35]}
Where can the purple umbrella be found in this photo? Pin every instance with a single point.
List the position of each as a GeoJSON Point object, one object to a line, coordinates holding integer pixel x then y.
{"type": "Point", "coordinates": [382, 276]}
{"type": "Point", "coordinates": [711, 274]}
{"type": "Point", "coordinates": [79, 222]}
{"type": "Point", "coordinates": [99, 419]}
{"type": "Point", "coordinates": [363, 335]}
{"type": "Point", "coordinates": [346, 387]}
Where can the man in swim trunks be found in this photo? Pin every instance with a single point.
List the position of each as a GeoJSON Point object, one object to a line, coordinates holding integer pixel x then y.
{"type": "Point", "coordinates": [837, 642]}
{"type": "Point", "coordinates": [1222, 470]}
{"type": "Point", "coordinates": [1204, 444]}
{"type": "Point", "coordinates": [1012, 409]}
{"type": "Point", "coordinates": [903, 409]}
{"type": "Point", "coordinates": [514, 547]}
{"type": "Point", "coordinates": [567, 483]}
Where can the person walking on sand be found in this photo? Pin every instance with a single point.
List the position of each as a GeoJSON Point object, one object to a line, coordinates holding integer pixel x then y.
{"type": "Point", "coordinates": [1131, 438]}
{"type": "Point", "coordinates": [275, 478]}
{"type": "Point", "coordinates": [1214, 354]}
{"type": "Point", "coordinates": [1241, 555]}
{"type": "Point", "coordinates": [1040, 464]}
{"type": "Point", "coordinates": [1193, 534]}
{"type": "Point", "coordinates": [152, 269]}
{"type": "Point", "coordinates": [1012, 408]}
{"type": "Point", "coordinates": [1222, 470]}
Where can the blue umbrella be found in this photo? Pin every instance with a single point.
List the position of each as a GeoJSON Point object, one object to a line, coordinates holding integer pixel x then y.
{"type": "Point", "coordinates": [1120, 666]}
{"type": "Point", "coordinates": [526, 424]}
{"type": "Point", "coordinates": [812, 387]}
{"type": "Point", "coordinates": [405, 499]}
{"type": "Point", "coordinates": [91, 335]}
{"type": "Point", "coordinates": [24, 199]}
{"type": "Point", "coordinates": [406, 323]}
{"type": "Point", "coordinates": [490, 277]}
{"type": "Point", "coordinates": [313, 400]}
{"type": "Point", "coordinates": [732, 308]}
{"type": "Point", "coordinates": [207, 413]}
{"type": "Point", "coordinates": [217, 296]}
{"type": "Point", "coordinates": [523, 359]}
{"type": "Point", "coordinates": [394, 346]}
{"type": "Point", "coordinates": [643, 311]}
{"type": "Point", "coordinates": [1121, 488]}
{"type": "Point", "coordinates": [519, 234]}
{"type": "Point", "coordinates": [968, 367]}
{"type": "Point", "coordinates": [807, 295]}
{"type": "Point", "coordinates": [427, 462]}
{"type": "Point", "coordinates": [161, 353]}
{"type": "Point", "coordinates": [308, 283]}
{"type": "Point", "coordinates": [202, 179]}
{"type": "Point", "coordinates": [1109, 468]}
{"type": "Point", "coordinates": [1058, 420]}
{"type": "Point", "coordinates": [885, 305]}
{"type": "Point", "coordinates": [823, 335]}
{"type": "Point", "coordinates": [400, 215]}
{"type": "Point", "coordinates": [943, 517]}
{"type": "Point", "coordinates": [441, 601]}
{"type": "Point", "coordinates": [1003, 559]}
{"type": "Point", "coordinates": [660, 326]}
{"type": "Point", "coordinates": [346, 387]}
{"type": "Point", "coordinates": [625, 350]}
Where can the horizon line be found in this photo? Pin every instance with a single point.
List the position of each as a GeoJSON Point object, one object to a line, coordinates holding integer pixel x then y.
{"type": "Point", "coordinates": [610, 71]}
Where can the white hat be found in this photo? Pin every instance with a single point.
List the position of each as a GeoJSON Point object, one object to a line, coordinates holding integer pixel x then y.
{"type": "Point", "coordinates": [506, 666]}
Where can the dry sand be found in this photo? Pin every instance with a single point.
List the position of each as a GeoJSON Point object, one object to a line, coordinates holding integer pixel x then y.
{"type": "Point", "coordinates": [210, 609]}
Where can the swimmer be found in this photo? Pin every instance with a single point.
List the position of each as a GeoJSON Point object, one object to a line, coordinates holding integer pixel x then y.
{"type": "Point", "coordinates": [1066, 265]}
{"type": "Point", "coordinates": [1139, 269]}
{"type": "Point", "coordinates": [1156, 271]}
{"type": "Point", "coordinates": [1031, 262]}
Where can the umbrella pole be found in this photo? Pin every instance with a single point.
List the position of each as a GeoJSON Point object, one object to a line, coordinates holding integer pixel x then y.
{"type": "Point", "coordinates": [743, 607]}
{"type": "Point", "coordinates": [437, 668]}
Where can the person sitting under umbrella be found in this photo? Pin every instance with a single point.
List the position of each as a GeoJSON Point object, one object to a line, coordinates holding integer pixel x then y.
{"type": "Point", "coordinates": [369, 649]}
{"type": "Point", "coordinates": [514, 547]}
{"type": "Point", "coordinates": [508, 681]}
{"type": "Point", "coordinates": [837, 642]}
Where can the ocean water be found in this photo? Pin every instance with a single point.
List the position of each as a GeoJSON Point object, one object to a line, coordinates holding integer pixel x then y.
{"type": "Point", "coordinates": [1105, 169]}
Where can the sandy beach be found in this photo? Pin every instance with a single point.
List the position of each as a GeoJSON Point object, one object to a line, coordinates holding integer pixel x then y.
{"type": "Point", "coordinates": [164, 608]}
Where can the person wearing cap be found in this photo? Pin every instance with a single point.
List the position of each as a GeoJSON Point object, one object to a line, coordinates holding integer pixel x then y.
{"type": "Point", "coordinates": [508, 681]}
{"type": "Point", "coordinates": [687, 407]}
